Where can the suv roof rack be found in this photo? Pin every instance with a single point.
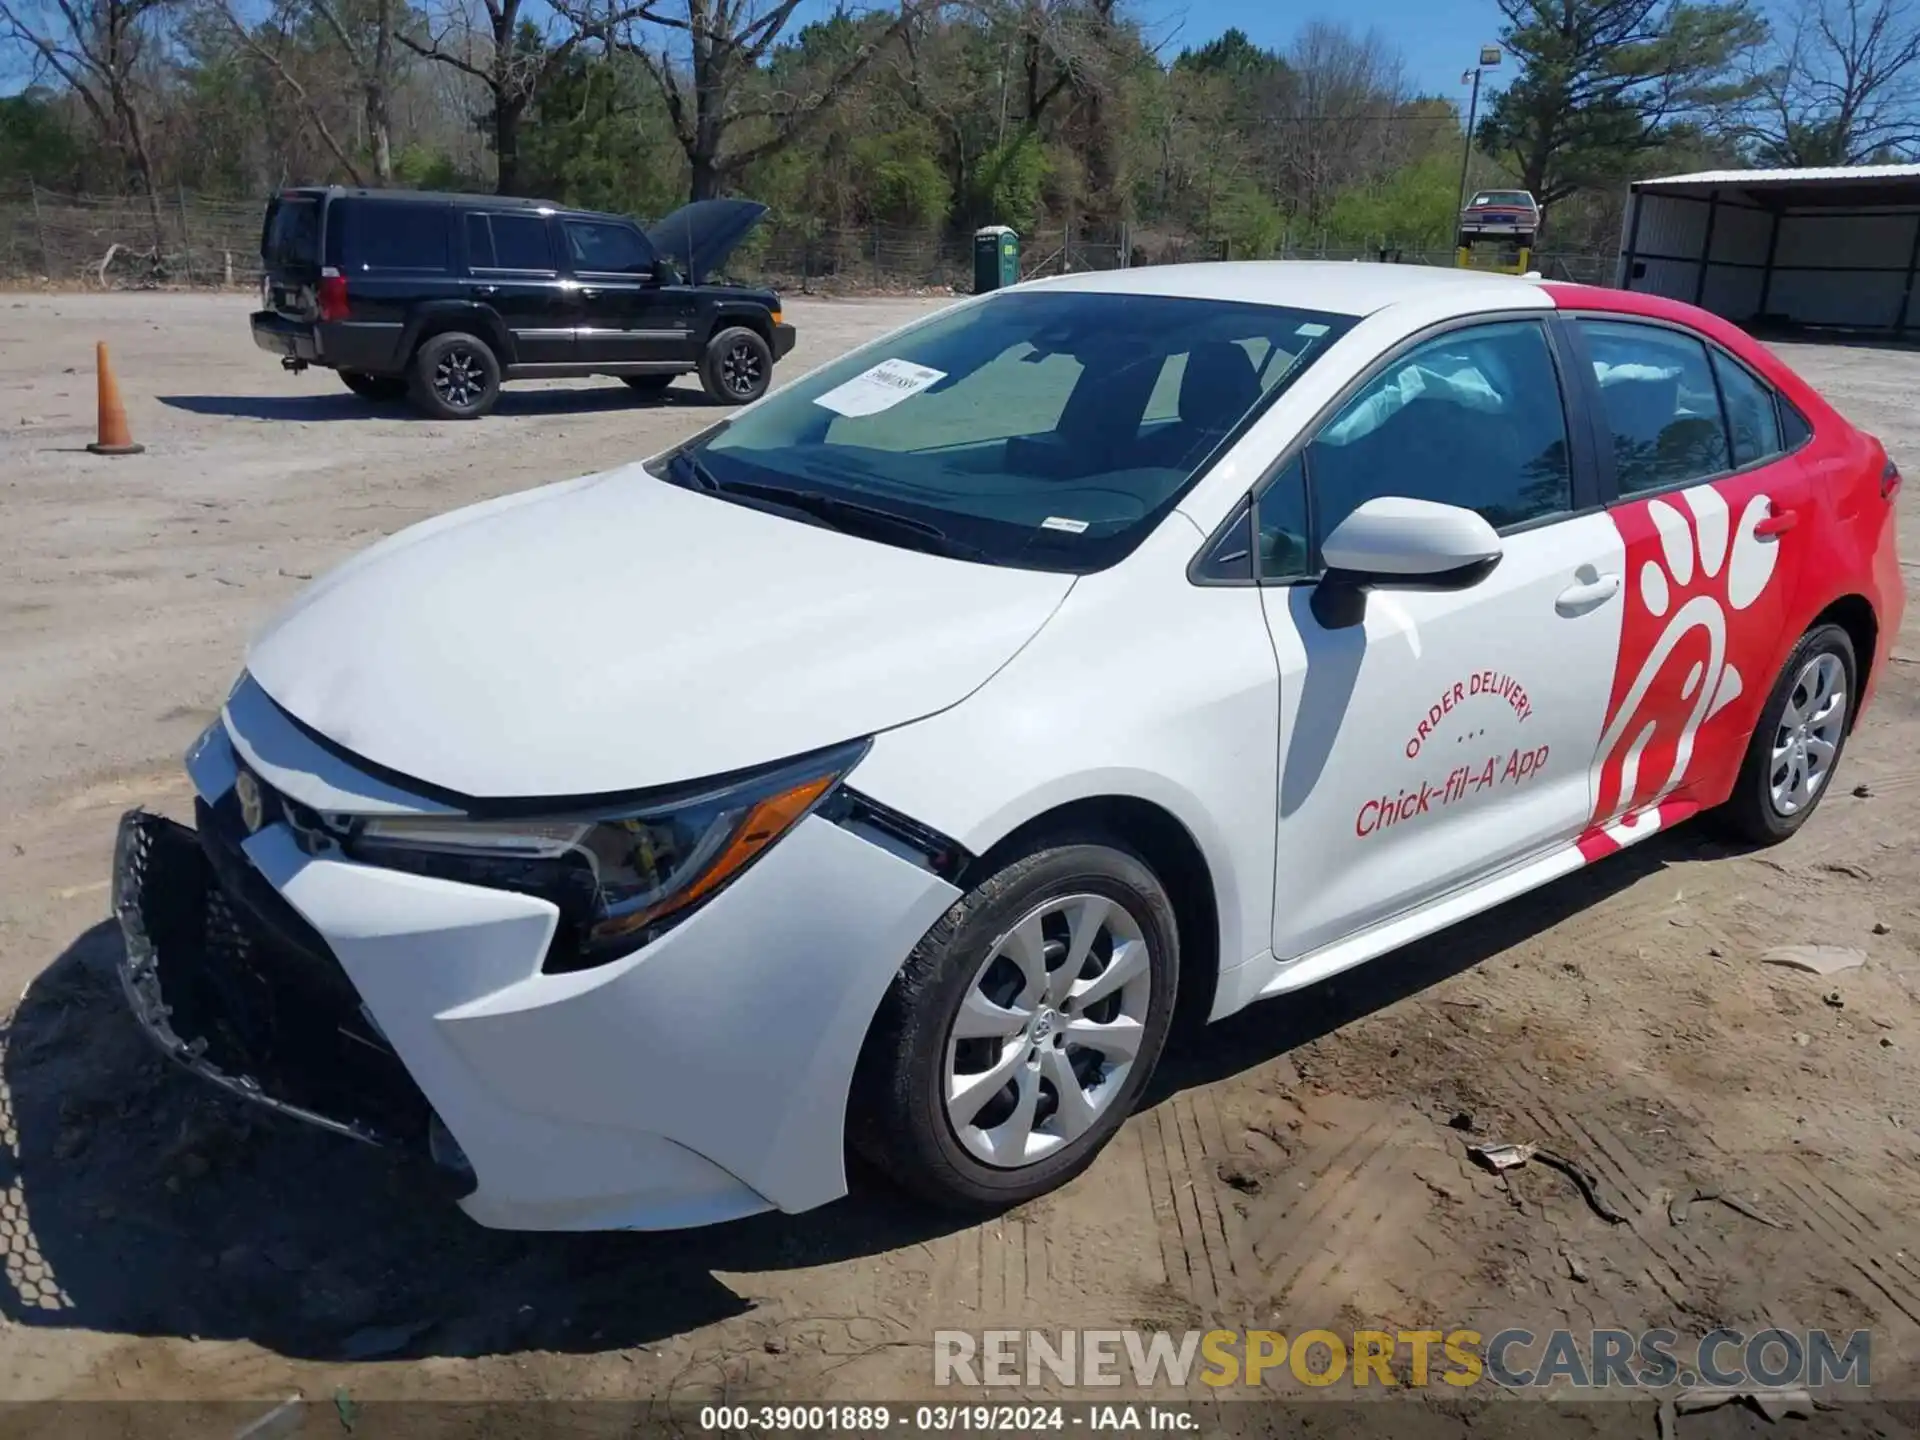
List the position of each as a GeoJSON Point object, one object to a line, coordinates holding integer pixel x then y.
{"type": "Point", "coordinates": [443, 197]}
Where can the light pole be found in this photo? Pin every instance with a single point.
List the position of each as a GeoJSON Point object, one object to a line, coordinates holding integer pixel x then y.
{"type": "Point", "coordinates": [1489, 59]}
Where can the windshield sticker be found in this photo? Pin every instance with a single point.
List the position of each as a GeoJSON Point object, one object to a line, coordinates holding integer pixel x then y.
{"type": "Point", "coordinates": [881, 388]}
{"type": "Point", "coordinates": [1312, 332]}
{"type": "Point", "coordinates": [1061, 522]}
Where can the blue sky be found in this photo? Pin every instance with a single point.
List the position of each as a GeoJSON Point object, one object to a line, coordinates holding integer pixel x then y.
{"type": "Point", "coordinates": [1439, 39]}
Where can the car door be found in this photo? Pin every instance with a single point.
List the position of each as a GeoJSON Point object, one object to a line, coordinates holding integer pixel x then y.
{"type": "Point", "coordinates": [1442, 734]}
{"type": "Point", "coordinates": [626, 318]}
{"type": "Point", "coordinates": [1707, 502]}
{"type": "Point", "coordinates": [511, 267]}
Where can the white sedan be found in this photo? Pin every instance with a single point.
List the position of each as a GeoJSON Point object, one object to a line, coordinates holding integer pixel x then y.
{"type": "Point", "coordinates": [886, 765]}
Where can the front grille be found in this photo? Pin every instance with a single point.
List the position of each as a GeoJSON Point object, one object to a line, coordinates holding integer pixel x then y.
{"type": "Point", "coordinates": [235, 984]}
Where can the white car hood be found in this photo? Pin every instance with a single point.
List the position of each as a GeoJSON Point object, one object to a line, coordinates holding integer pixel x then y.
{"type": "Point", "coordinates": [618, 632]}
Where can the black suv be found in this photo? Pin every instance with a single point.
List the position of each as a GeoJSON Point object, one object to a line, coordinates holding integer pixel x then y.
{"type": "Point", "coordinates": [442, 297]}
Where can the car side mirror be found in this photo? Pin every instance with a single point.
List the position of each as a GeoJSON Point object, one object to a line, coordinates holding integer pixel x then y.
{"type": "Point", "coordinates": [1400, 543]}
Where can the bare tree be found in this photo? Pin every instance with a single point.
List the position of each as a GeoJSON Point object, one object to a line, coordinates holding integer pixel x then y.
{"type": "Point", "coordinates": [1342, 91]}
{"type": "Point", "coordinates": [506, 53]}
{"type": "Point", "coordinates": [701, 53]}
{"type": "Point", "coordinates": [364, 31]}
{"type": "Point", "coordinates": [1843, 85]}
{"type": "Point", "coordinates": [98, 49]}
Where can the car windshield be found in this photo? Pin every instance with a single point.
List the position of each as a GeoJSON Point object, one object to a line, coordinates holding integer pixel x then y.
{"type": "Point", "coordinates": [1503, 197]}
{"type": "Point", "coordinates": [1049, 430]}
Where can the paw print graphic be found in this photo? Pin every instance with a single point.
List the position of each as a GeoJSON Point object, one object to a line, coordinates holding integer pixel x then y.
{"type": "Point", "coordinates": [1691, 569]}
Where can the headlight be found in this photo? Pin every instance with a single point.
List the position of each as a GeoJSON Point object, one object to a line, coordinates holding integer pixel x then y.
{"type": "Point", "coordinates": [619, 874]}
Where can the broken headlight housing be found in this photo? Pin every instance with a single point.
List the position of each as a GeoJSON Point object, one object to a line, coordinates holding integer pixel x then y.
{"type": "Point", "coordinates": [620, 872]}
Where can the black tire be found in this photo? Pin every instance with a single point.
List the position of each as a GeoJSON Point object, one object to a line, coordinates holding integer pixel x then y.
{"type": "Point", "coordinates": [737, 366]}
{"type": "Point", "coordinates": [649, 384]}
{"type": "Point", "coordinates": [898, 1115]}
{"type": "Point", "coordinates": [380, 388]}
{"type": "Point", "coordinates": [455, 376]}
{"type": "Point", "coordinates": [1750, 813]}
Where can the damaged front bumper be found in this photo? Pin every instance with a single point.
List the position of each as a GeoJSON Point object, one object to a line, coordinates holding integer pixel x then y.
{"type": "Point", "coordinates": [251, 1001]}
{"type": "Point", "coordinates": [702, 1078]}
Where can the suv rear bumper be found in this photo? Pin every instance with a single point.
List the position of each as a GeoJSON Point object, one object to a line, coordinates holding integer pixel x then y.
{"type": "Point", "coordinates": [290, 339]}
{"type": "Point", "coordinates": [783, 336]}
{"type": "Point", "coordinates": [338, 344]}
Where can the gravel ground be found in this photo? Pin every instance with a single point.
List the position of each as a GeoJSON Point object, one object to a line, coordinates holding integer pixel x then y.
{"type": "Point", "coordinates": [1301, 1165]}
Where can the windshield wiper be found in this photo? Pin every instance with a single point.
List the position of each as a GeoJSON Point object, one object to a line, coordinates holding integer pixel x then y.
{"type": "Point", "coordinates": [702, 477]}
{"type": "Point", "coordinates": [853, 518]}
{"type": "Point", "coordinates": [849, 517]}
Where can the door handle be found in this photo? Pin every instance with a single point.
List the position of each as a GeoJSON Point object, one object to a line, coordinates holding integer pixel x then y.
{"type": "Point", "coordinates": [486, 289]}
{"type": "Point", "coordinates": [587, 292]}
{"type": "Point", "coordinates": [1778, 523]}
{"type": "Point", "coordinates": [1586, 595]}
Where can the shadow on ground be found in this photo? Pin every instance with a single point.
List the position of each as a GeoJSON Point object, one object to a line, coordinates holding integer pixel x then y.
{"type": "Point", "coordinates": [344, 406]}
{"type": "Point", "coordinates": [135, 1200]}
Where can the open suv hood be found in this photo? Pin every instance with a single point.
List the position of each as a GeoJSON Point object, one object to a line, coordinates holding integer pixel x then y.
{"type": "Point", "coordinates": [699, 237]}
{"type": "Point", "coordinates": [619, 633]}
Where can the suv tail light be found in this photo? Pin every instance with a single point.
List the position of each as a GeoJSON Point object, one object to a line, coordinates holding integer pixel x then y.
{"type": "Point", "coordinates": [332, 294]}
{"type": "Point", "coordinates": [1889, 481]}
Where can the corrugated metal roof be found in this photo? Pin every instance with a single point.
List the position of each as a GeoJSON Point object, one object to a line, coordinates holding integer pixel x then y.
{"type": "Point", "coordinates": [1813, 175]}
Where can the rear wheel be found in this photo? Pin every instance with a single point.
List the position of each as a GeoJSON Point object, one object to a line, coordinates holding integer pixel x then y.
{"type": "Point", "coordinates": [737, 367]}
{"type": "Point", "coordinates": [455, 377]}
{"type": "Point", "coordinates": [1797, 744]}
{"type": "Point", "coordinates": [1022, 1030]}
{"type": "Point", "coordinates": [382, 388]}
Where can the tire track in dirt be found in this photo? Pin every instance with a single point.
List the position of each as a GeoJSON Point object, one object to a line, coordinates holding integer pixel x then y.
{"type": "Point", "coordinates": [1187, 1216]}
{"type": "Point", "coordinates": [1676, 1261]}
{"type": "Point", "coordinates": [1852, 1237]}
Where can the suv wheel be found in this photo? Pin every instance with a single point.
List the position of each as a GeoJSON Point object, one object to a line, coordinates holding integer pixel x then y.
{"type": "Point", "coordinates": [455, 377]}
{"type": "Point", "coordinates": [382, 388]}
{"type": "Point", "coordinates": [737, 367]}
{"type": "Point", "coordinates": [1022, 1029]}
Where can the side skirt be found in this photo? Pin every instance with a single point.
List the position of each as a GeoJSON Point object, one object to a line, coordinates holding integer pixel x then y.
{"type": "Point", "coordinates": [1595, 843]}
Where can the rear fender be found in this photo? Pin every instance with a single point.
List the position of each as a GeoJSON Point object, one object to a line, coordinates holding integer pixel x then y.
{"type": "Point", "coordinates": [439, 316]}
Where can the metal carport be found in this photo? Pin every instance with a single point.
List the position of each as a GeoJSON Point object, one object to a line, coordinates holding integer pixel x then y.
{"type": "Point", "coordinates": [1825, 248]}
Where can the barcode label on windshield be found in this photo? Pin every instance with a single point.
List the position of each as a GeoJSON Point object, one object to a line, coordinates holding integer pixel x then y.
{"type": "Point", "coordinates": [881, 388]}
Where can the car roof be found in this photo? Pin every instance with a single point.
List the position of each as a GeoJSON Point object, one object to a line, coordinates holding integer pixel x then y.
{"type": "Point", "coordinates": [445, 197]}
{"type": "Point", "coordinates": [1338, 288]}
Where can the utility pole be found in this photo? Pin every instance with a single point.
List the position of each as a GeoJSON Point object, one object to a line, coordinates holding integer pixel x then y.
{"type": "Point", "coordinates": [1489, 59]}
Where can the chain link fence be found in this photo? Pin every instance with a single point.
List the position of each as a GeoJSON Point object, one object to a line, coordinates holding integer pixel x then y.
{"type": "Point", "coordinates": [123, 242]}
{"type": "Point", "coordinates": [186, 239]}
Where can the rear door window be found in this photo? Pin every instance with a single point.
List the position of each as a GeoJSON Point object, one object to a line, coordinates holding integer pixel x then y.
{"type": "Point", "coordinates": [509, 242]}
{"type": "Point", "coordinates": [383, 235]}
{"type": "Point", "coordinates": [1753, 423]}
{"type": "Point", "coordinates": [1660, 404]}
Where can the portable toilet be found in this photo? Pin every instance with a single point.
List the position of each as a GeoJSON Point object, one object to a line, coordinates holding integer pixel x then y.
{"type": "Point", "coordinates": [996, 258]}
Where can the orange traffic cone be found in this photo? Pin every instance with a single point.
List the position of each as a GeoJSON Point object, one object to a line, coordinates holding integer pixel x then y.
{"type": "Point", "coordinates": [114, 436]}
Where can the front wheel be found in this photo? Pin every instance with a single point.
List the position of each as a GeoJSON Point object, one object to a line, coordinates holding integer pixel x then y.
{"type": "Point", "coordinates": [455, 377]}
{"type": "Point", "coordinates": [1796, 746]}
{"type": "Point", "coordinates": [1022, 1029]}
{"type": "Point", "coordinates": [737, 366]}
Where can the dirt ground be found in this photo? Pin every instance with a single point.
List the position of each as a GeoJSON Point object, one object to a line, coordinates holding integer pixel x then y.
{"type": "Point", "coordinates": [1301, 1165]}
